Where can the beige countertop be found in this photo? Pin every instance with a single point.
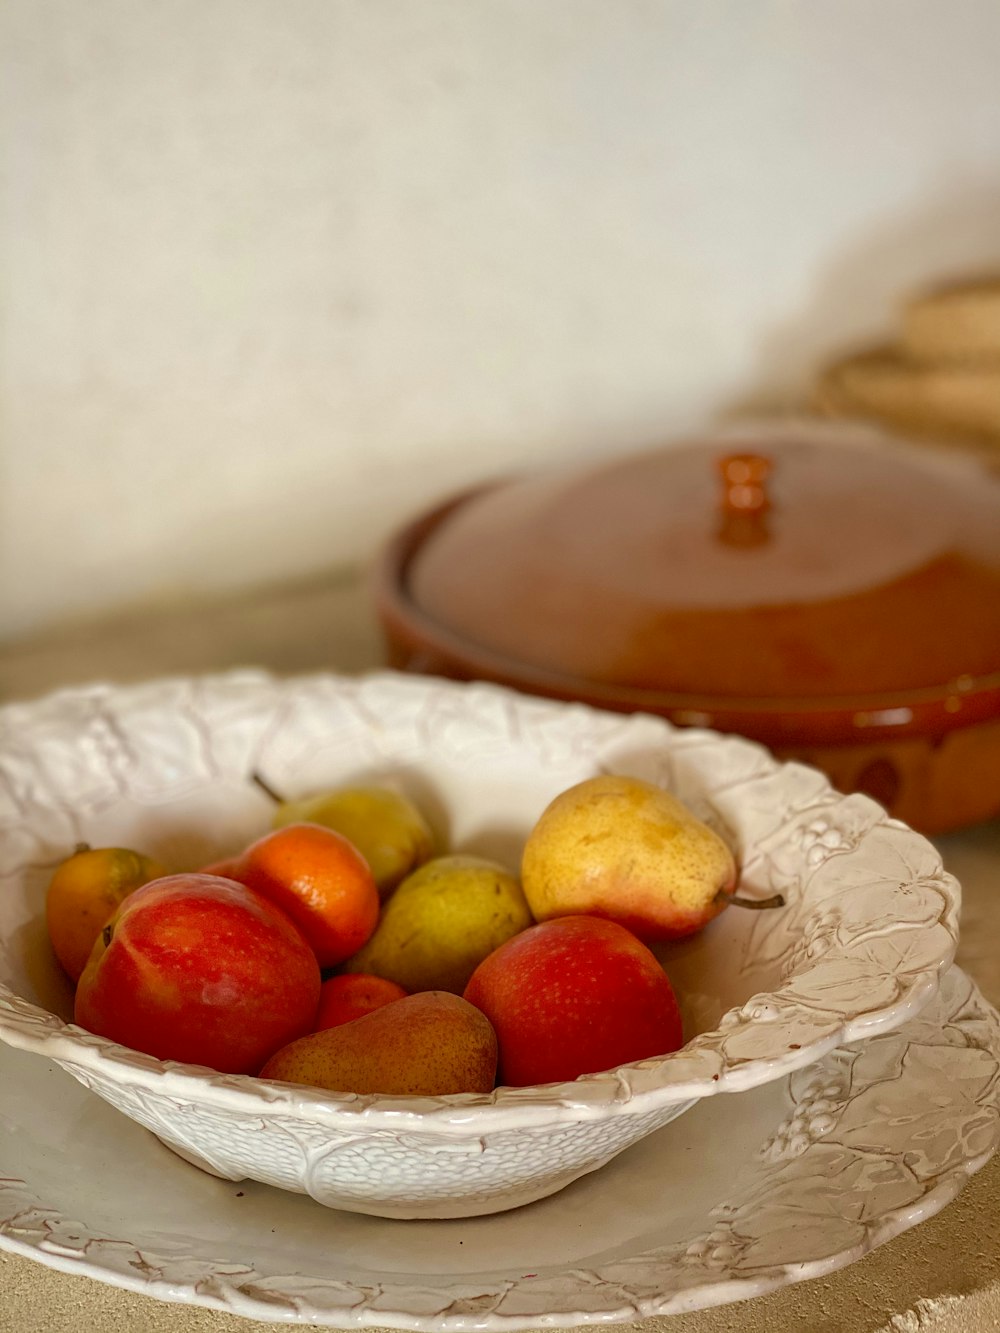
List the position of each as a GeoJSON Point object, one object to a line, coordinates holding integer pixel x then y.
{"type": "Point", "coordinates": [941, 1277]}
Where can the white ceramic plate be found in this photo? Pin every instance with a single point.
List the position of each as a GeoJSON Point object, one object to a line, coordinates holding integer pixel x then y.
{"type": "Point", "coordinates": [741, 1195]}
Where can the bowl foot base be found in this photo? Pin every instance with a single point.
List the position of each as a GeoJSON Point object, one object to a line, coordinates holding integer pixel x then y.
{"type": "Point", "coordinates": [432, 1209]}
{"type": "Point", "coordinates": [195, 1160]}
{"type": "Point", "coordinates": [444, 1209]}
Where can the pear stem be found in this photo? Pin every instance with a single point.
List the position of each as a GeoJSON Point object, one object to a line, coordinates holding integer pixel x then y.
{"type": "Point", "coordinates": [267, 789]}
{"type": "Point", "coordinates": [759, 904]}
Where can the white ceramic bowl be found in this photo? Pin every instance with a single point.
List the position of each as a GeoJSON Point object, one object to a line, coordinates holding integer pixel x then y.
{"type": "Point", "coordinates": [870, 920]}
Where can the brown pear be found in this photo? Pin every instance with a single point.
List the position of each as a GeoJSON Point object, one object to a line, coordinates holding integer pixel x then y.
{"type": "Point", "coordinates": [426, 1045]}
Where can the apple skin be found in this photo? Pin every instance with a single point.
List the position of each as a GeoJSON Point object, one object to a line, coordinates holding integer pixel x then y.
{"type": "Point", "coordinates": [571, 996]}
{"type": "Point", "coordinates": [352, 994]}
{"type": "Point", "coordinates": [202, 970]}
{"type": "Point", "coordinates": [625, 849]}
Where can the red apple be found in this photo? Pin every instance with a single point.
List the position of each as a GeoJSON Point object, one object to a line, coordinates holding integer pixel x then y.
{"type": "Point", "coordinates": [573, 996]}
{"type": "Point", "coordinates": [203, 970]}
{"type": "Point", "coordinates": [344, 998]}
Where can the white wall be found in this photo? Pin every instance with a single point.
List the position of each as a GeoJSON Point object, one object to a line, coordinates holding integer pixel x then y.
{"type": "Point", "coordinates": [274, 273]}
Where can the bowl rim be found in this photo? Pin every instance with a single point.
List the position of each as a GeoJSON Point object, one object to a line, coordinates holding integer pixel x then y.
{"type": "Point", "coordinates": [695, 1070]}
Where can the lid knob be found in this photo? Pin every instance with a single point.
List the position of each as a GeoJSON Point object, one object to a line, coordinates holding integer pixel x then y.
{"type": "Point", "coordinates": [745, 501]}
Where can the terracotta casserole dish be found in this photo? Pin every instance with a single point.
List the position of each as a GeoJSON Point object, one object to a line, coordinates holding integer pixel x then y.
{"type": "Point", "coordinates": [825, 590]}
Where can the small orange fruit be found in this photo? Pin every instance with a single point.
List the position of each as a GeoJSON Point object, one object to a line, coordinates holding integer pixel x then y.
{"type": "Point", "coordinates": [84, 892]}
{"type": "Point", "coordinates": [346, 997]}
{"type": "Point", "coordinates": [323, 883]}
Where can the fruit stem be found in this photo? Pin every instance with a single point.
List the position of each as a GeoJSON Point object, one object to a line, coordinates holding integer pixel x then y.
{"type": "Point", "coordinates": [267, 789]}
{"type": "Point", "coordinates": [80, 848]}
{"type": "Point", "coordinates": [759, 904]}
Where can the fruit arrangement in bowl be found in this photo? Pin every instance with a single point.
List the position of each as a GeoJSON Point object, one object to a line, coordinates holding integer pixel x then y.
{"type": "Point", "coordinates": [224, 966]}
{"type": "Point", "coordinates": [484, 944]}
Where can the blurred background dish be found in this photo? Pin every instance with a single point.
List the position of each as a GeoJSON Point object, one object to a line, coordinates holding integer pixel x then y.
{"type": "Point", "coordinates": [939, 380]}
{"type": "Point", "coordinates": [825, 590]}
{"type": "Point", "coordinates": [956, 322]}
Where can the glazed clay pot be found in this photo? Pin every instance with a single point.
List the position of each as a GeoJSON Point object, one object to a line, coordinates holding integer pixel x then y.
{"type": "Point", "coordinates": [824, 590]}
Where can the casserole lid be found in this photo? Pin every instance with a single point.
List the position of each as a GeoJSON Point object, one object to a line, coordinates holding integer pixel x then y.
{"type": "Point", "coordinates": [786, 563]}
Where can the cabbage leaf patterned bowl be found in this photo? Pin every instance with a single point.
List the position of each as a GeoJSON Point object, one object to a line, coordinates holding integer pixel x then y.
{"type": "Point", "coordinates": [870, 920]}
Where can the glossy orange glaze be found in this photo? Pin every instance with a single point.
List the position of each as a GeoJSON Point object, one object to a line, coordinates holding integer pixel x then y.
{"type": "Point", "coordinates": [881, 628]}
{"type": "Point", "coordinates": [870, 575]}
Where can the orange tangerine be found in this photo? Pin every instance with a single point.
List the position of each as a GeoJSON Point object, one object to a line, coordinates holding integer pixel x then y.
{"type": "Point", "coordinates": [321, 880]}
{"type": "Point", "coordinates": [84, 892]}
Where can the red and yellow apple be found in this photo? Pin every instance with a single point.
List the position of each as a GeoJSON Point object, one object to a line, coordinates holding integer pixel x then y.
{"type": "Point", "coordinates": [573, 996]}
{"type": "Point", "coordinates": [203, 970]}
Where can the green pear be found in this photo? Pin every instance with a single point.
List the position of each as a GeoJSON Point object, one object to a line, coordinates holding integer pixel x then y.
{"type": "Point", "coordinates": [427, 1045]}
{"type": "Point", "coordinates": [385, 826]}
{"type": "Point", "coordinates": [441, 923]}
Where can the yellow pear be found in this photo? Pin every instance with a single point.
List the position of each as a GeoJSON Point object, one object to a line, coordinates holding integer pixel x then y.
{"type": "Point", "coordinates": [383, 824]}
{"type": "Point", "coordinates": [442, 922]}
{"type": "Point", "coordinates": [427, 1045]}
{"type": "Point", "coordinates": [624, 849]}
